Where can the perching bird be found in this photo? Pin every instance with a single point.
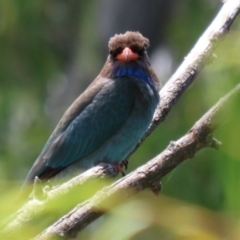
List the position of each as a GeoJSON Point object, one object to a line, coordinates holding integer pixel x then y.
{"type": "Point", "coordinates": [105, 123]}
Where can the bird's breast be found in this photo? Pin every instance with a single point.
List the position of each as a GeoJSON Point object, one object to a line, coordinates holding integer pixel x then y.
{"type": "Point", "coordinates": [123, 141]}
{"type": "Point", "coordinates": [130, 96]}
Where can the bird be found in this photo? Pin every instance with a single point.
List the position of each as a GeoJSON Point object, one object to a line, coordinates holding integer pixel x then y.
{"type": "Point", "coordinates": [106, 122]}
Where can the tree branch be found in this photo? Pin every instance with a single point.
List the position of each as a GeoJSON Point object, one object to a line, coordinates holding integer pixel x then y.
{"type": "Point", "coordinates": [40, 201]}
{"type": "Point", "coordinates": [194, 62]}
{"type": "Point", "coordinates": [198, 137]}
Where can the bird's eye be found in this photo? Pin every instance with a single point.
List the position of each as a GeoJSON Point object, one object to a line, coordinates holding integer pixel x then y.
{"type": "Point", "coordinates": [115, 52]}
{"type": "Point", "coordinates": [137, 49]}
{"type": "Point", "coordinates": [118, 51]}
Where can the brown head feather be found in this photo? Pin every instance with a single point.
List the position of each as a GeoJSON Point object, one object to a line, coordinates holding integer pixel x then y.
{"type": "Point", "coordinates": [135, 41]}
{"type": "Point", "coordinates": [128, 39]}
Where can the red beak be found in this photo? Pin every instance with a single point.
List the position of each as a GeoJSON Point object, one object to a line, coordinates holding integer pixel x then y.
{"type": "Point", "coordinates": [127, 55]}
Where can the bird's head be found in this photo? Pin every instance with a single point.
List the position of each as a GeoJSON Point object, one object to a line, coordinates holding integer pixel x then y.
{"type": "Point", "coordinates": [128, 57]}
{"type": "Point", "coordinates": [128, 47]}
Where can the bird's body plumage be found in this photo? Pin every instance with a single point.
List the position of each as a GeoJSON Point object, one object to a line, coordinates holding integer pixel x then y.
{"type": "Point", "coordinates": [106, 122]}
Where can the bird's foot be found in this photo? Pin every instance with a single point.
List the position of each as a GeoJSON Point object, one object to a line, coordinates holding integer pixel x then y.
{"type": "Point", "coordinates": [124, 163]}
{"type": "Point", "coordinates": [119, 168]}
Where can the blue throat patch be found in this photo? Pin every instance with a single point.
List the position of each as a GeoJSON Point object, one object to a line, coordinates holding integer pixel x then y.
{"type": "Point", "coordinates": [133, 71]}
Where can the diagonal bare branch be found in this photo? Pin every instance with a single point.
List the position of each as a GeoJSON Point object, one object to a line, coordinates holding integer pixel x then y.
{"type": "Point", "coordinates": [198, 137]}
{"type": "Point", "coordinates": [193, 63]}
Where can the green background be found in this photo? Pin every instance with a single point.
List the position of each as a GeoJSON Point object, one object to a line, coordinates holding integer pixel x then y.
{"type": "Point", "coordinates": [51, 50]}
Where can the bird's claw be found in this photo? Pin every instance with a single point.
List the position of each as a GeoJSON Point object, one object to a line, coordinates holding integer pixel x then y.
{"type": "Point", "coordinates": [119, 168]}
{"type": "Point", "coordinates": [124, 163]}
